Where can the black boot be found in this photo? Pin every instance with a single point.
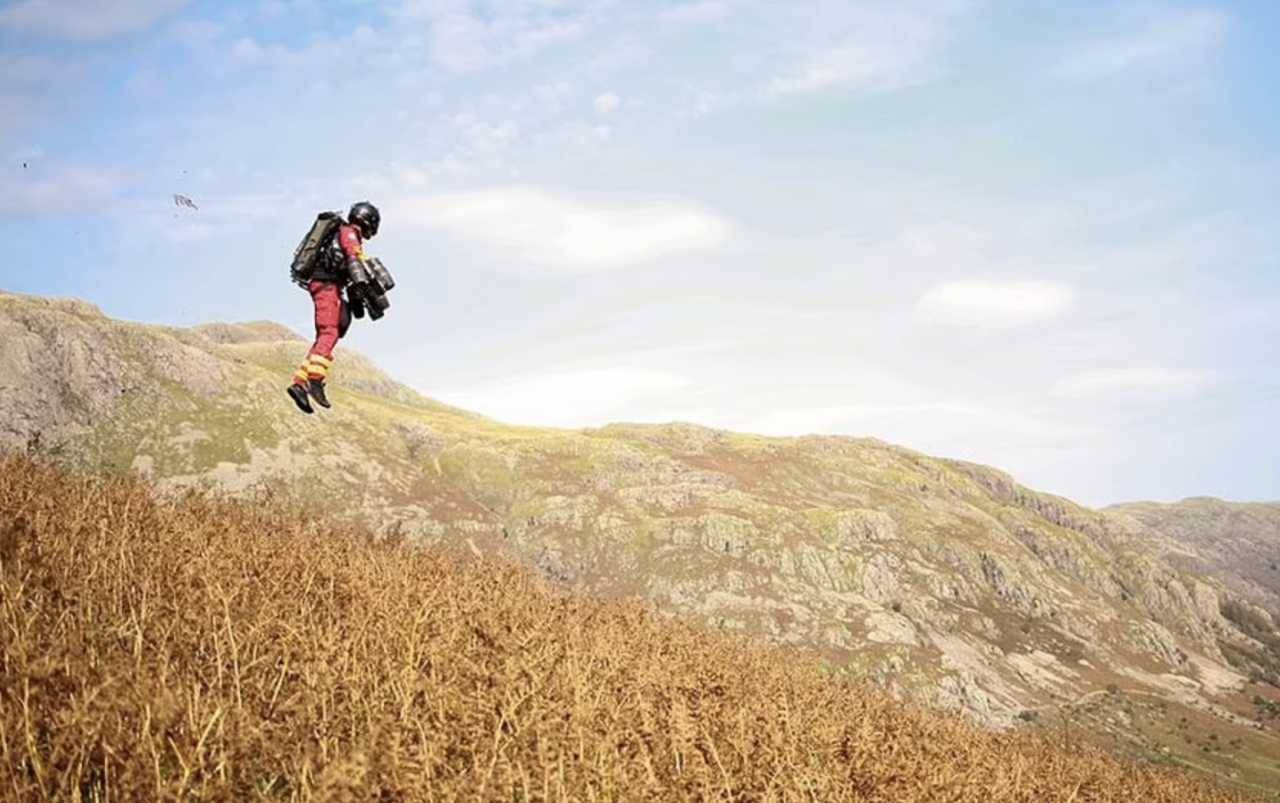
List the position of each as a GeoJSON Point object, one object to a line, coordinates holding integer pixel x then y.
{"type": "Point", "coordinates": [316, 388]}
{"type": "Point", "coordinates": [299, 395]}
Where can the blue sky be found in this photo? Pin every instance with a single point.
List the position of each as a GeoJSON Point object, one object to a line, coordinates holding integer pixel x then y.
{"type": "Point", "coordinates": [1037, 234]}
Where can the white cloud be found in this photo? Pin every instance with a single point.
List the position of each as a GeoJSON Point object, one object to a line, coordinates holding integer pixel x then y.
{"type": "Point", "coordinates": [1128, 380]}
{"type": "Point", "coordinates": [458, 43]}
{"type": "Point", "coordinates": [885, 47]}
{"type": "Point", "coordinates": [485, 139]}
{"type": "Point", "coordinates": [35, 87]}
{"type": "Point", "coordinates": [1165, 37]}
{"type": "Point", "coordinates": [700, 11]}
{"type": "Point", "coordinates": [943, 241]}
{"type": "Point", "coordinates": [55, 189]}
{"type": "Point", "coordinates": [408, 176]}
{"type": "Point", "coordinates": [468, 37]}
{"type": "Point", "coordinates": [701, 102]}
{"type": "Point", "coordinates": [990, 304]}
{"type": "Point", "coordinates": [565, 232]}
{"type": "Point", "coordinates": [26, 71]}
{"type": "Point", "coordinates": [248, 51]}
{"type": "Point", "coordinates": [624, 52]}
{"type": "Point", "coordinates": [532, 39]}
{"type": "Point", "coordinates": [607, 102]}
{"type": "Point", "coordinates": [552, 97]}
{"type": "Point", "coordinates": [583, 136]}
{"type": "Point", "coordinates": [566, 398]}
{"type": "Point", "coordinates": [197, 35]}
{"type": "Point", "coordinates": [85, 20]}
{"type": "Point", "coordinates": [938, 424]}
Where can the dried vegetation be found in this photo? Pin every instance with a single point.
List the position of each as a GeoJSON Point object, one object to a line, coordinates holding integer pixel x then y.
{"type": "Point", "coordinates": [206, 650]}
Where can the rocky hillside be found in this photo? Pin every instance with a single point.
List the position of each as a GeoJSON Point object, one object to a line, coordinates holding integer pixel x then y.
{"type": "Point", "coordinates": [1239, 542]}
{"type": "Point", "coordinates": [942, 579]}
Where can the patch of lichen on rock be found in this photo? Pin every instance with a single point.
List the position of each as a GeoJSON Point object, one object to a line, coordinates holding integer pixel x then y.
{"type": "Point", "coordinates": [483, 467]}
{"type": "Point", "coordinates": [190, 411]}
{"type": "Point", "coordinates": [851, 529]}
{"type": "Point", "coordinates": [179, 434]}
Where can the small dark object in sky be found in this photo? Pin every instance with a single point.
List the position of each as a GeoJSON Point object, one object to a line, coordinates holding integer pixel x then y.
{"type": "Point", "coordinates": [24, 165]}
{"type": "Point", "coordinates": [182, 200]}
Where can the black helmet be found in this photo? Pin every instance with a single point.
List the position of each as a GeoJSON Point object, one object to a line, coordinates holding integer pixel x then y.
{"type": "Point", "coordinates": [366, 216]}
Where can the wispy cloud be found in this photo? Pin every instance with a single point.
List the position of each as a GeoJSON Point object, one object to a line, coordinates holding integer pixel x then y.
{"type": "Point", "coordinates": [568, 398]}
{"type": "Point", "coordinates": [465, 37]}
{"type": "Point", "coordinates": [935, 425]}
{"type": "Point", "coordinates": [85, 20]}
{"type": "Point", "coordinates": [567, 232]}
{"type": "Point", "coordinates": [991, 304]}
{"type": "Point", "coordinates": [483, 138]}
{"type": "Point", "coordinates": [699, 11]}
{"type": "Point", "coordinates": [1129, 381]}
{"type": "Point", "coordinates": [607, 102]}
{"type": "Point", "coordinates": [871, 46]}
{"type": "Point", "coordinates": [1164, 37]}
{"type": "Point", "coordinates": [54, 188]}
{"type": "Point", "coordinates": [35, 86]}
{"type": "Point", "coordinates": [196, 34]}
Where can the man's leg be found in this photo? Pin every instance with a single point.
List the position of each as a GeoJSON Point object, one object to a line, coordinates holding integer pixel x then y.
{"type": "Point", "coordinates": [328, 304]}
{"type": "Point", "coordinates": [314, 370]}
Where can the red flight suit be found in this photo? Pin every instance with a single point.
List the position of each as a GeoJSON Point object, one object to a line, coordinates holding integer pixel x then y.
{"type": "Point", "coordinates": [331, 313]}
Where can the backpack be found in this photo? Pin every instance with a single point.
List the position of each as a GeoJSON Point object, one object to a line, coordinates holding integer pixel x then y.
{"type": "Point", "coordinates": [308, 253]}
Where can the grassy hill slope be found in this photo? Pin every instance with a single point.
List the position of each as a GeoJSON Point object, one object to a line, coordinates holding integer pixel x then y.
{"type": "Point", "coordinates": [195, 649]}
